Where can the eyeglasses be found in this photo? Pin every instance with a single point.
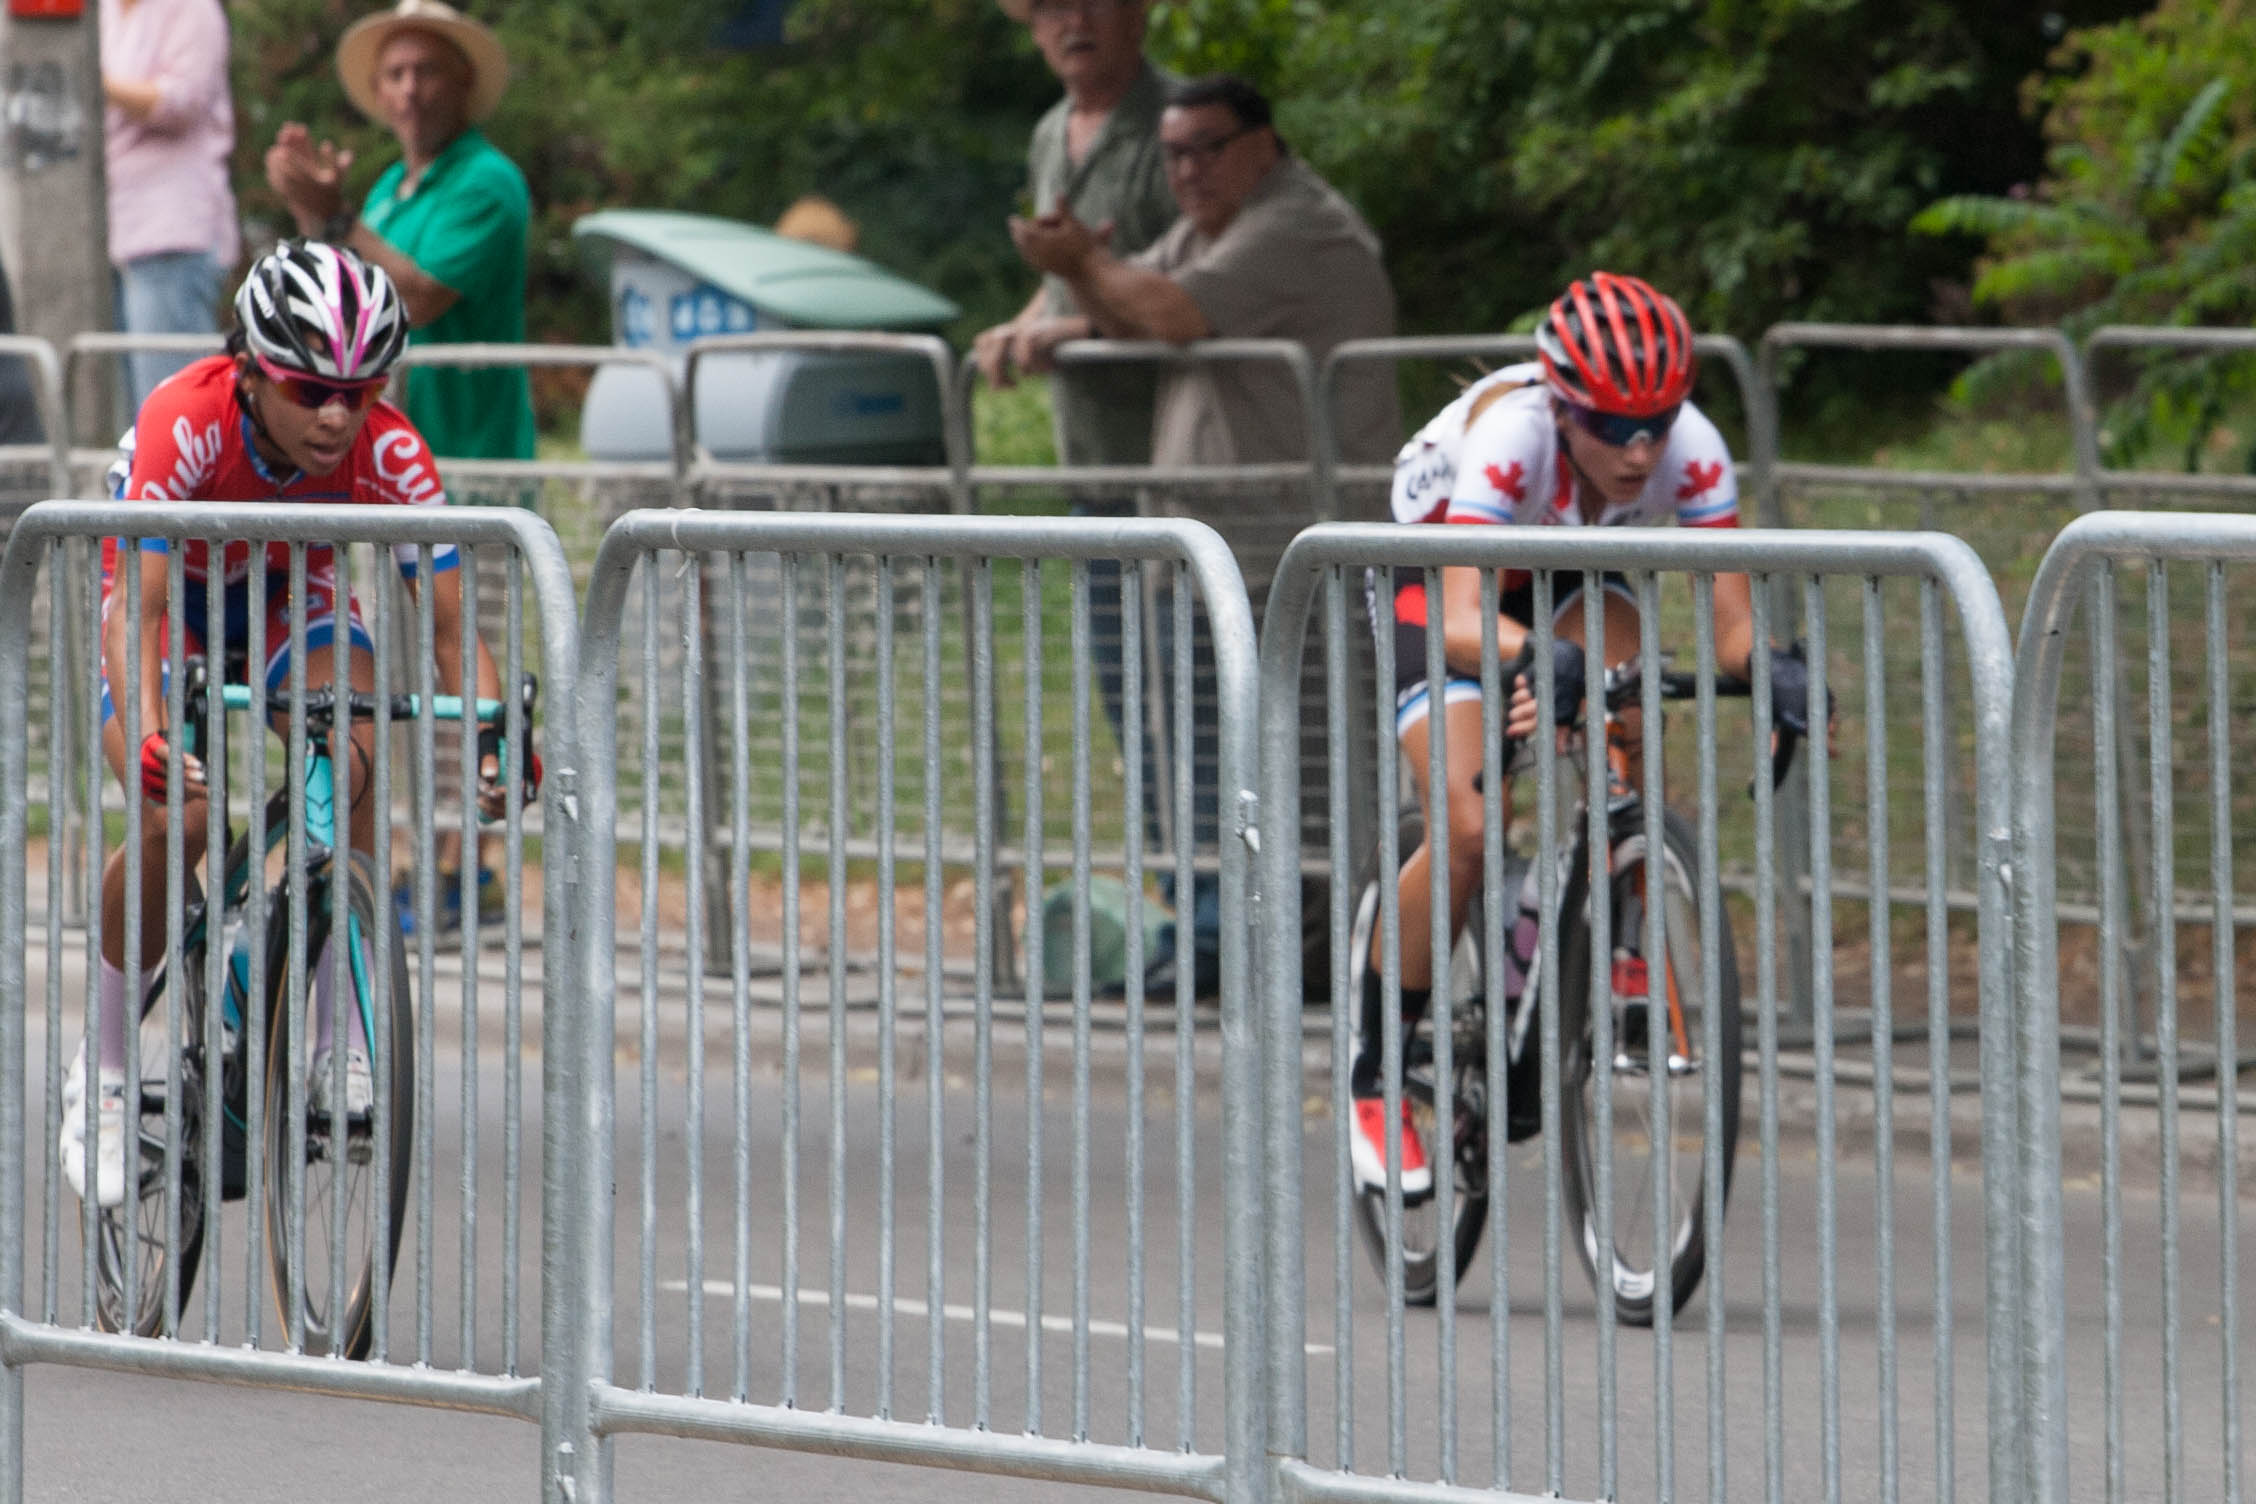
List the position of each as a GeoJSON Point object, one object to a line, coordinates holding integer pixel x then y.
{"type": "Point", "coordinates": [1183, 154]}
{"type": "Point", "coordinates": [313, 394]}
{"type": "Point", "coordinates": [1620, 430]}
{"type": "Point", "coordinates": [1059, 10]}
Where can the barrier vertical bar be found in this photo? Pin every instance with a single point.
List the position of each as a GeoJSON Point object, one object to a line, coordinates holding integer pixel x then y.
{"type": "Point", "coordinates": [19, 572]}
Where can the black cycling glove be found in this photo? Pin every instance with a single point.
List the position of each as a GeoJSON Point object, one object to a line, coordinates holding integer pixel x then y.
{"type": "Point", "coordinates": [1567, 675]}
{"type": "Point", "coordinates": [1789, 689]}
{"type": "Point", "coordinates": [529, 763]}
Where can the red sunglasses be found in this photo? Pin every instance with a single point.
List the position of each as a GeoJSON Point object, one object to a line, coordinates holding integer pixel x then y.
{"type": "Point", "coordinates": [313, 394]}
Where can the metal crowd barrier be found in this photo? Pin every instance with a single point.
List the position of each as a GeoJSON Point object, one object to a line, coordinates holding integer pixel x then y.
{"type": "Point", "coordinates": [2156, 1294]}
{"type": "Point", "coordinates": [1826, 1407]}
{"type": "Point", "coordinates": [944, 482]}
{"type": "Point", "coordinates": [1257, 509]}
{"type": "Point", "coordinates": [2163, 487]}
{"type": "Point", "coordinates": [452, 1325]}
{"type": "Point", "coordinates": [654, 1362]}
{"type": "Point", "coordinates": [46, 386]}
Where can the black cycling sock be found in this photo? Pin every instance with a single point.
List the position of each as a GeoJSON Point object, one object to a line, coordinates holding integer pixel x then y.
{"type": "Point", "coordinates": [1363, 1071]}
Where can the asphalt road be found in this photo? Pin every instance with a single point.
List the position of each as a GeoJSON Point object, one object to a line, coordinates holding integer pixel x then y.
{"type": "Point", "coordinates": [98, 1435]}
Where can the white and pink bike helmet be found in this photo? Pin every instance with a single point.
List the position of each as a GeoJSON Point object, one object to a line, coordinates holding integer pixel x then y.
{"type": "Point", "coordinates": [319, 310]}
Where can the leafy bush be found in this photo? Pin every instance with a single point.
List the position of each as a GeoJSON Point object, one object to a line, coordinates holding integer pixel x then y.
{"type": "Point", "coordinates": [2146, 214]}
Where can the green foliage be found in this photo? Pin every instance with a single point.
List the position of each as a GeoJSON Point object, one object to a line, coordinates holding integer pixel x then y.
{"type": "Point", "coordinates": [911, 114]}
{"type": "Point", "coordinates": [1758, 158]}
{"type": "Point", "coordinates": [2146, 214]}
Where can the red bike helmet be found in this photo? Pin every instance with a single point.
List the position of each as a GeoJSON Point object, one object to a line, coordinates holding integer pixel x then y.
{"type": "Point", "coordinates": [1614, 345]}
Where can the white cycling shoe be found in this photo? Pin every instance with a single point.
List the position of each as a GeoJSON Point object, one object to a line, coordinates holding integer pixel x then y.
{"type": "Point", "coordinates": [109, 1119]}
{"type": "Point", "coordinates": [360, 1086]}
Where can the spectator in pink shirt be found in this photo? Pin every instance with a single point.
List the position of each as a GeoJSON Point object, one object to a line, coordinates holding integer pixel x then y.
{"type": "Point", "coordinates": [167, 135]}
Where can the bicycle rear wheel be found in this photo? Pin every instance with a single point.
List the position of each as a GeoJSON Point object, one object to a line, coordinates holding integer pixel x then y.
{"type": "Point", "coordinates": [141, 1266]}
{"type": "Point", "coordinates": [1462, 1150]}
{"type": "Point", "coordinates": [326, 1280]}
{"type": "Point", "coordinates": [1659, 1125]}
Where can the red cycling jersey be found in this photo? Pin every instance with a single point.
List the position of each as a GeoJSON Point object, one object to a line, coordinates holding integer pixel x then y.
{"type": "Point", "coordinates": [192, 442]}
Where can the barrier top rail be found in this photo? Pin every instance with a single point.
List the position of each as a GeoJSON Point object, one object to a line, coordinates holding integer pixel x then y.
{"type": "Point", "coordinates": [479, 355]}
{"type": "Point", "coordinates": [110, 342]}
{"type": "Point", "coordinates": [1291, 354]}
{"type": "Point", "coordinates": [954, 430]}
{"type": "Point", "coordinates": [2083, 428]}
{"type": "Point", "coordinates": [2165, 337]}
{"type": "Point", "coordinates": [1761, 415]}
{"type": "Point", "coordinates": [47, 392]}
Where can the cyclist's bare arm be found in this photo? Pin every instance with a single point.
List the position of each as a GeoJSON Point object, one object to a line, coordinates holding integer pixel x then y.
{"type": "Point", "coordinates": [1461, 643]}
{"type": "Point", "coordinates": [447, 629]}
{"type": "Point", "coordinates": [1734, 626]}
{"type": "Point", "coordinates": [126, 638]}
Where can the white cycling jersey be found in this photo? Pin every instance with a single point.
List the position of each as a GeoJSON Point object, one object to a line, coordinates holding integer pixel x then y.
{"type": "Point", "coordinates": [1504, 465]}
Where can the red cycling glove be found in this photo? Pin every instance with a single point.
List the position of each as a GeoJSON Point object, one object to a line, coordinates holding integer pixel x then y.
{"type": "Point", "coordinates": [153, 754]}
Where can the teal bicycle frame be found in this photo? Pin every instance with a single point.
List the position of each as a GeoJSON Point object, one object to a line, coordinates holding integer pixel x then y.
{"type": "Point", "coordinates": [315, 788]}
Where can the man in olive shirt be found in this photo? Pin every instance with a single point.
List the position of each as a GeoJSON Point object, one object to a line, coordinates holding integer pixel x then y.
{"type": "Point", "coordinates": [1094, 154]}
{"type": "Point", "coordinates": [1264, 249]}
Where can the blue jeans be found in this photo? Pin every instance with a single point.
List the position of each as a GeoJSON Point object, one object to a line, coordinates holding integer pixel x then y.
{"type": "Point", "coordinates": [1105, 628]}
{"type": "Point", "coordinates": [172, 292]}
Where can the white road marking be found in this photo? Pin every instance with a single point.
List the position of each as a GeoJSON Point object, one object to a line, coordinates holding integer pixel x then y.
{"type": "Point", "coordinates": [998, 1316]}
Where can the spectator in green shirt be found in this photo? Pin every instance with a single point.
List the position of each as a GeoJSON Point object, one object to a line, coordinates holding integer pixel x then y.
{"type": "Point", "coordinates": [449, 221]}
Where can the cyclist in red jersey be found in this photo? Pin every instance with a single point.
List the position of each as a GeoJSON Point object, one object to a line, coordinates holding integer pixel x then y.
{"type": "Point", "coordinates": [292, 412]}
{"type": "Point", "coordinates": [1598, 433]}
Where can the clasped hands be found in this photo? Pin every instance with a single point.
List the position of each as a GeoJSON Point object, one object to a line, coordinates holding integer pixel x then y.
{"type": "Point", "coordinates": [1059, 245]}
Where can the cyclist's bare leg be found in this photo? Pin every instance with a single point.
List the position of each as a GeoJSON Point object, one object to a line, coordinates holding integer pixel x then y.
{"type": "Point", "coordinates": [194, 815]}
{"type": "Point", "coordinates": [1622, 629]}
{"type": "Point", "coordinates": [1462, 756]}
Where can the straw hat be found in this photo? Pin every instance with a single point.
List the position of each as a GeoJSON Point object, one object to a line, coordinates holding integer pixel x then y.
{"type": "Point", "coordinates": [364, 41]}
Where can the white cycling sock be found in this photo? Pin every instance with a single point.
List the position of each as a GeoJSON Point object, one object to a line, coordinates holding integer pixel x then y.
{"type": "Point", "coordinates": [109, 1003]}
{"type": "Point", "coordinates": [324, 1006]}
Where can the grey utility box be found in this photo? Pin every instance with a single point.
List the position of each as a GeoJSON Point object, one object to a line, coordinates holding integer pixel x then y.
{"type": "Point", "coordinates": [675, 278]}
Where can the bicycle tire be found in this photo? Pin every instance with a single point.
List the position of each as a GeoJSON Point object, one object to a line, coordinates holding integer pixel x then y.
{"type": "Point", "coordinates": [149, 1295]}
{"type": "Point", "coordinates": [352, 1334]}
{"type": "Point", "coordinates": [1632, 1278]}
{"type": "Point", "coordinates": [1467, 1158]}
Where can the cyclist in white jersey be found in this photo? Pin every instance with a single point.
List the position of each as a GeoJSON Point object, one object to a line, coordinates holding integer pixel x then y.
{"type": "Point", "coordinates": [1597, 433]}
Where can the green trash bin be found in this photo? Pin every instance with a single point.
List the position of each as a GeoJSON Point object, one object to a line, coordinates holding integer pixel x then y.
{"type": "Point", "coordinates": [674, 278]}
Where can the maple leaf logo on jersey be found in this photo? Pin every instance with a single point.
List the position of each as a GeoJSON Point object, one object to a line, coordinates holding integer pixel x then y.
{"type": "Point", "coordinates": [1512, 482]}
{"type": "Point", "coordinates": [1699, 479]}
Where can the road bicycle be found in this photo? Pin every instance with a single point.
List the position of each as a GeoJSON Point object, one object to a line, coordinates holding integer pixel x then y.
{"type": "Point", "coordinates": [332, 1193]}
{"type": "Point", "coordinates": [1657, 1122]}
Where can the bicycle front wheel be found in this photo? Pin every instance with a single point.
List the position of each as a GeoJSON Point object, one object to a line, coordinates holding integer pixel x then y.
{"type": "Point", "coordinates": [144, 1261]}
{"type": "Point", "coordinates": [337, 1181]}
{"type": "Point", "coordinates": [1659, 1083]}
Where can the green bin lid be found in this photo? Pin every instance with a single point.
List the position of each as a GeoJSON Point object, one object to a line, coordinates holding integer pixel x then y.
{"type": "Point", "coordinates": [810, 286]}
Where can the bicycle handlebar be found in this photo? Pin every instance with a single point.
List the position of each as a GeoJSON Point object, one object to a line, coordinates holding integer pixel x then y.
{"type": "Point", "coordinates": [321, 704]}
{"type": "Point", "coordinates": [1623, 684]}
